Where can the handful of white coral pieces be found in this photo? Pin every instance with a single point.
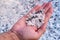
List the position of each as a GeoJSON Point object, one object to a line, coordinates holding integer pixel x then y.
{"type": "Point", "coordinates": [36, 18]}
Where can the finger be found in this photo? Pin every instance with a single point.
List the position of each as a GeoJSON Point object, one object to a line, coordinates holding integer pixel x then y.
{"type": "Point", "coordinates": [34, 9]}
{"type": "Point", "coordinates": [38, 7]}
{"type": "Point", "coordinates": [48, 14]}
{"type": "Point", "coordinates": [42, 29]}
{"type": "Point", "coordinates": [43, 5]}
{"type": "Point", "coordinates": [47, 7]}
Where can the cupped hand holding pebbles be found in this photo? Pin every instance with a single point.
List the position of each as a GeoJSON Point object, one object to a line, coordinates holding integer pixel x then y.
{"type": "Point", "coordinates": [36, 18]}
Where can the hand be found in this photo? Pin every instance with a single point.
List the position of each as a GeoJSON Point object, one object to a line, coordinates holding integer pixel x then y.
{"type": "Point", "coordinates": [30, 32]}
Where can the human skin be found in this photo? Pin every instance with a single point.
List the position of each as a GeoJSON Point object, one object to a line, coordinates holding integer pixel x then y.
{"type": "Point", "coordinates": [21, 31]}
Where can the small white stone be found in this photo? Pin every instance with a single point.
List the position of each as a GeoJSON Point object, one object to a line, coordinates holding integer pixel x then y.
{"type": "Point", "coordinates": [33, 21]}
{"type": "Point", "coordinates": [29, 23]}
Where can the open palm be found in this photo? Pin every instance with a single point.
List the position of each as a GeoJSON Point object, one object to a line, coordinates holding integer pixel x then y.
{"type": "Point", "coordinates": [31, 32]}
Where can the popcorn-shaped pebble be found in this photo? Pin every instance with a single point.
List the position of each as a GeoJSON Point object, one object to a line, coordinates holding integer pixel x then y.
{"type": "Point", "coordinates": [36, 18]}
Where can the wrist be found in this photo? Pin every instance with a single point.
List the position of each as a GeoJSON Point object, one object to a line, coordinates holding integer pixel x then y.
{"type": "Point", "coordinates": [17, 34]}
